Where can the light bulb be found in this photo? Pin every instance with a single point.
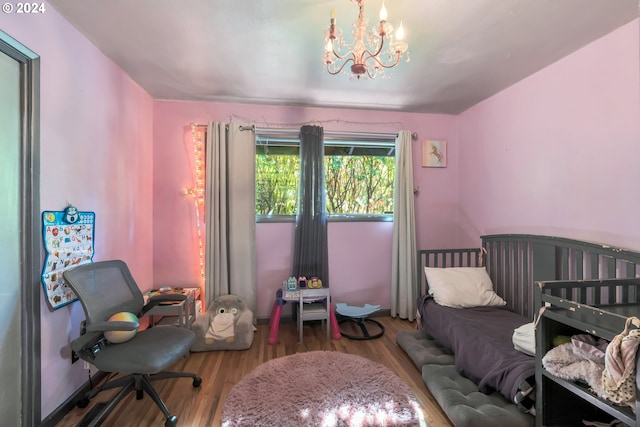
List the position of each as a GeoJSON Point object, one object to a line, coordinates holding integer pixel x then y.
{"type": "Point", "coordinates": [383, 12]}
{"type": "Point", "coordinates": [329, 46]}
{"type": "Point", "coordinates": [400, 32]}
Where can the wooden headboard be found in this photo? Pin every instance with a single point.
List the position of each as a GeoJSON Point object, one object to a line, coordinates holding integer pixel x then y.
{"type": "Point", "coordinates": [516, 261]}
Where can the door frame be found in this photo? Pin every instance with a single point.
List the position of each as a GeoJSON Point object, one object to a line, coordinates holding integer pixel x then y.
{"type": "Point", "coordinates": [30, 249]}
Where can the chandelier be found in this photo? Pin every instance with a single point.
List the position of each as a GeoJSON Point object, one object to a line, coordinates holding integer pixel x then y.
{"type": "Point", "coordinates": [371, 50]}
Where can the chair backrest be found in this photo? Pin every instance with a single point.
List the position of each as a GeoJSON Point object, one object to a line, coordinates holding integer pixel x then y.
{"type": "Point", "coordinates": [104, 288]}
{"type": "Point", "coordinates": [317, 294]}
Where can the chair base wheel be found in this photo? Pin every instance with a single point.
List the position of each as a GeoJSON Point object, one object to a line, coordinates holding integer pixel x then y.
{"type": "Point", "coordinates": [171, 421]}
{"type": "Point", "coordinates": [83, 403]}
{"type": "Point", "coordinates": [196, 382]}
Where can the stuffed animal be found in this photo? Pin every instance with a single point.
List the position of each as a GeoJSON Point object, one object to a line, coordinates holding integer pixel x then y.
{"type": "Point", "coordinates": [224, 318]}
{"type": "Point", "coordinates": [227, 325]}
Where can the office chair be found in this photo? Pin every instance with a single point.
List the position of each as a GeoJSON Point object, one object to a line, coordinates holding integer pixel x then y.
{"type": "Point", "coordinates": [105, 288]}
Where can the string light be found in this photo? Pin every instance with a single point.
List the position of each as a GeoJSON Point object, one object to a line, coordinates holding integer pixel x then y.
{"type": "Point", "coordinates": [197, 191]}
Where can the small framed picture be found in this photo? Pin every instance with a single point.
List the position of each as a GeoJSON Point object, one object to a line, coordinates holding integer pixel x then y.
{"type": "Point", "coordinates": [434, 154]}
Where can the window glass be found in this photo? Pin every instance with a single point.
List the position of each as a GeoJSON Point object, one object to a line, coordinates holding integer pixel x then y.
{"type": "Point", "coordinates": [277, 178]}
{"type": "Point", "coordinates": [359, 177]}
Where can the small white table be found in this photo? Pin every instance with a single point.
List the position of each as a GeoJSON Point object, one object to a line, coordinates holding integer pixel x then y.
{"type": "Point", "coordinates": [184, 310]}
{"type": "Point", "coordinates": [282, 297]}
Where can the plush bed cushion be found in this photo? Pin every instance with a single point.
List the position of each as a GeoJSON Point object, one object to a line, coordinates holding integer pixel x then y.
{"type": "Point", "coordinates": [423, 349]}
{"type": "Point", "coordinates": [465, 407]}
{"type": "Point", "coordinates": [462, 287]}
{"type": "Point", "coordinates": [481, 341]}
{"type": "Point", "coordinates": [459, 397]}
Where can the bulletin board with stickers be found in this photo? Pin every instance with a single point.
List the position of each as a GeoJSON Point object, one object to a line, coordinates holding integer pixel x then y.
{"type": "Point", "coordinates": [68, 242]}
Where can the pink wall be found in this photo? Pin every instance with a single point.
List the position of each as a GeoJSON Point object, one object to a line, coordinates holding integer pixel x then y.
{"type": "Point", "coordinates": [360, 265]}
{"type": "Point", "coordinates": [96, 145]}
{"type": "Point", "coordinates": [557, 153]}
{"type": "Point", "coordinates": [359, 262]}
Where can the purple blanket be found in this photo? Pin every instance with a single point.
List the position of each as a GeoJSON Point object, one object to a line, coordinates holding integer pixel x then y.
{"type": "Point", "coordinates": [481, 340]}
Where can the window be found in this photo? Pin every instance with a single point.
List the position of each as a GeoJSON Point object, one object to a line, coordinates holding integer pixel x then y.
{"type": "Point", "coordinates": [359, 177]}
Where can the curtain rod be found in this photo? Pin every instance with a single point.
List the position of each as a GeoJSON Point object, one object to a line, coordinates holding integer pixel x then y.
{"type": "Point", "coordinates": [333, 134]}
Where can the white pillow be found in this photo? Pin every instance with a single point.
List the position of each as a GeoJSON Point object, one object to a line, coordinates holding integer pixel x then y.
{"type": "Point", "coordinates": [462, 287]}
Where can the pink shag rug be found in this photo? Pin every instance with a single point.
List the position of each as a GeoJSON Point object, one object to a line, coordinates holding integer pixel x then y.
{"type": "Point", "coordinates": [321, 388]}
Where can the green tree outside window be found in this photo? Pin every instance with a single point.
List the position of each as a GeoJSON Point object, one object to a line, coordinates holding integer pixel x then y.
{"type": "Point", "coordinates": [358, 181]}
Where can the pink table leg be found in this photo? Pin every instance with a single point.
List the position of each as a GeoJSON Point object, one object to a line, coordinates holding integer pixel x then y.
{"type": "Point", "coordinates": [335, 328]}
{"type": "Point", "coordinates": [274, 322]}
{"type": "Point", "coordinates": [273, 312]}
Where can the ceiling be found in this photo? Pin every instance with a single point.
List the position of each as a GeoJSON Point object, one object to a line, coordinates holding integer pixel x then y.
{"type": "Point", "coordinates": [269, 51]}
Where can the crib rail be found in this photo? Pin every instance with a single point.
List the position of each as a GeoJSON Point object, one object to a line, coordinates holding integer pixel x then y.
{"type": "Point", "coordinates": [600, 307]}
{"type": "Point", "coordinates": [515, 262]}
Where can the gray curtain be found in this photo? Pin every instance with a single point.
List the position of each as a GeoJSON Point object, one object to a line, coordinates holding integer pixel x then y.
{"type": "Point", "coordinates": [311, 255]}
{"type": "Point", "coordinates": [230, 199]}
{"type": "Point", "coordinates": [404, 263]}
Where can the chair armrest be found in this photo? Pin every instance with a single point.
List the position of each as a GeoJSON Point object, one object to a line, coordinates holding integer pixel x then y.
{"type": "Point", "coordinates": [112, 326]}
{"type": "Point", "coordinates": [201, 325]}
{"type": "Point", "coordinates": [82, 344]}
{"type": "Point", "coordinates": [246, 317]}
{"type": "Point", "coordinates": [159, 299]}
{"type": "Point", "coordinates": [93, 339]}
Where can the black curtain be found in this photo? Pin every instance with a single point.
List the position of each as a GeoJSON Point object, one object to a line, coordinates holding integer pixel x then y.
{"type": "Point", "coordinates": [311, 255]}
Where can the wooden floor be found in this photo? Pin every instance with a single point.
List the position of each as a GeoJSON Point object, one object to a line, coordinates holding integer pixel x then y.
{"type": "Point", "coordinates": [220, 370]}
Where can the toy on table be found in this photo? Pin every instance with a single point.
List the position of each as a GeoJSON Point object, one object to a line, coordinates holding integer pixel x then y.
{"type": "Point", "coordinates": [290, 292]}
{"type": "Point", "coordinates": [302, 282]}
{"type": "Point", "coordinates": [314, 283]}
{"type": "Point", "coordinates": [292, 284]}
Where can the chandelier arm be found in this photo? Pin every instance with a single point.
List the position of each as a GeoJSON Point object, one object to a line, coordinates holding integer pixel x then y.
{"type": "Point", "coordinates": [366, 53]}
{"type": "Point", "coordinates": [341, 67]}
{"type": "Point", "coordinates": [372, 75]}
{"type": "Point", "coordinates": [379, 47]}
{"type": "Point", "coordinates": [350, 52]}
{"type": "Point", "coordinates": [382, 64]}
